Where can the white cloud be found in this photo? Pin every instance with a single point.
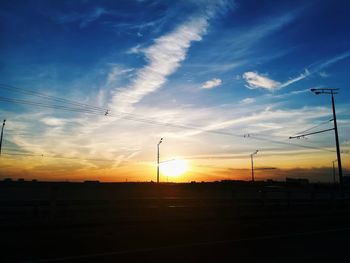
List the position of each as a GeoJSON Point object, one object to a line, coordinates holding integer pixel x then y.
{"type": "Point", "coordinates": [116, 72]}
{"type": "Point", "coordinates": [211, 83]}
{"type": "Point", "coordinates": [247, 101]}
{"type": "Point", "coordinates": [255, 81]}
{"type": "Point", "coordinates": [135, 49]}
{"type": "Point", "coordinates": [296, 79]}
{"type": "Point", "coordinates": [164, 58]}
{"type": "Point", "coordinates": [51, 121]}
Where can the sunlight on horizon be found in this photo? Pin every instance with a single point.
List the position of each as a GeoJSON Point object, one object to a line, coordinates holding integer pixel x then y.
{"type": "Point", "coordinates": [174, 168]}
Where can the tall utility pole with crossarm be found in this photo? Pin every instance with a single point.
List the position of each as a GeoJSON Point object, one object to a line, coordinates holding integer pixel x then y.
{"type": "Point", "coordinates": [332, 92]}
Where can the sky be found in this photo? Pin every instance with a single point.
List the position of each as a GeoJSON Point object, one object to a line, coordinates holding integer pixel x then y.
{"type": "Point", "coordinates": [88, 88]}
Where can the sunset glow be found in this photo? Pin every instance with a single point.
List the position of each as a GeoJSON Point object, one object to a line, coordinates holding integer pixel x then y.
{"type": "Point", "coordinates": [173, 168]}
{"type": "Point", "coordinates": [88, 89]}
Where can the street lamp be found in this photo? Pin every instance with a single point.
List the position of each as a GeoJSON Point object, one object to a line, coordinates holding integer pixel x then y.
{"type": "Point", "coordinates": [332, 92]}
{"type": "Point", "coordinates": [2, 133]}
{"type": "Point", "coordinates": [252, 162]}
{"type": "Point", "coordinates": [161, 139]}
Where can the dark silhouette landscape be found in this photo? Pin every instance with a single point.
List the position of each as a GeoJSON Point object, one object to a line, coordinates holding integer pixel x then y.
{"type": "Point", "coordinates": [191, 222]}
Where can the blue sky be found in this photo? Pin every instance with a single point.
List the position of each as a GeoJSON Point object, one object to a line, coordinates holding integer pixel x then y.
{"type": "Point", "coordinates": [240, 67]}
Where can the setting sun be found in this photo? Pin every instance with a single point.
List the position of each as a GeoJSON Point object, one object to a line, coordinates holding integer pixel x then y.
{"type": "Point", "coordinates": [173, 168]}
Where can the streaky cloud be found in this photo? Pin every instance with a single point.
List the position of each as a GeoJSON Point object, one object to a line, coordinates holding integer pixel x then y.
{"type": "Point", "coordinates": [164, 57]}
{"type": "Point", "coordinates": [332, 61]}
{"type": "Point", "coordinates": [210, 84]}
{"type": "Point", "coordinates": [84, 19]}
{"type": "Point", "coordinates": [296, 79]}
{"type": "Point", "coordinates": [255, 80]}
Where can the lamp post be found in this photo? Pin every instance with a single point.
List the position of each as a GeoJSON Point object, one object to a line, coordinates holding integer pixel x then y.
{"type": "Point", "coordinates": [2, 133]}
{"type": "Point", "coordinates": [252, 162]}
{"type": "Point", "coordinates": [161, 139]}
{"type": "Point", "coordinates": [332, 92]}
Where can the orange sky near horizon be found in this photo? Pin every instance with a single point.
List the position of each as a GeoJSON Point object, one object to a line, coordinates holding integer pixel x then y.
{"type": "Point", "coordinates": [315, 167]}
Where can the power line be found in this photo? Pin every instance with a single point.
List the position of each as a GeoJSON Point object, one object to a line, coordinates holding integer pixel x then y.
{"type": "Point", "coordinates": [49, 97]}
{"type": "Point", "coordinates": [310, 133]}
{"type": "Point", "coordinates": [88, 109]}
{"type": "Point", "coordinates": [291, 144]}
{"type": "Point", "coordinates": [313, 127]}
{"type": "Point", "coordinates": [153, 122]}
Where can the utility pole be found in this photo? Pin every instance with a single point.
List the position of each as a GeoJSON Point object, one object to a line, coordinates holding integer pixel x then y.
{"type": "Point", "coordinates": [161, 139]}
{"type": "Point", "coordinates": [332, 92]}
{"type": "Point", "coordinates": [252, 162]}
{"type": "Point", "coordinates": [2, 134]}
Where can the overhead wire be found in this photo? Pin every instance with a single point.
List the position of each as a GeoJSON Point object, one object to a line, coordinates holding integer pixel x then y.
{"type": "Point", "coordinates": [153, 122]}
{"type": "Point", "coordinates": [88, 109]}
{"type": "Point", "coordinates": [314, 127]}
{"type": "Point", "coordinates": [49, 97]}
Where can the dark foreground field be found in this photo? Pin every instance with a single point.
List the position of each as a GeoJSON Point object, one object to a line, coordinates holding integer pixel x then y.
{"type": "Point", "coordinates": [214, 222]}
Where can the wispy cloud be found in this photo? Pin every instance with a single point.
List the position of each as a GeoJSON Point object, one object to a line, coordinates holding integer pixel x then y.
{"type": "Point", "coordinates": [247, 101]}
{"type": "Point", "coordinates": [296, 79]}
{"type": "Point", "coordinates": [134, 50]}
{"type": "Point", "coordinates": [255, 81]}
{"type": "Point", "coordinates": [52, 121]}
{"type": "Point", "coordinates": [211, 83]}
{"type": "Point", "coordinates": [84, 19]}
{"type": "Point", "coordinates": [331, 61]}
{"type": "Point", "coordinates": [323, 74]}
{"type": "Point", "coordinates": [164, 57]}
{"type": "Point", "coordinates": [292, 93]}
{"type": "Point", "coordinates": [115, 72]}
